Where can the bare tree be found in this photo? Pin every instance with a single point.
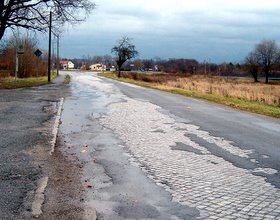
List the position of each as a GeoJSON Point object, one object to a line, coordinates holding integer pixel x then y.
{"type": "Point", "coordinates": [124, 51]}
{"type": "Point", "coordinates": [34, 14]}
{"type": "Point", "coordinates": [97, 59]}
{"type": "Point", "coordinates": [108, 60]}
{"type": "Point", "coordinates": [251, 64]}
{"type": "Point", "coordinates": [182, 66]}
{"type": "Point", "coordinates": [267, 54]}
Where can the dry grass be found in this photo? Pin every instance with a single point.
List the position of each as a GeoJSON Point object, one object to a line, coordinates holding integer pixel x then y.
{"type": "Point", "coordinates": [203, 87]}
{"type": "Point", "coordinates": [12, 83]}
{"type": "Point", "coordinates": [243, 88]}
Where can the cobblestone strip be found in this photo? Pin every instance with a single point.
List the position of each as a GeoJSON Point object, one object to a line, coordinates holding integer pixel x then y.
{"type": "Point", "coordinates": [214, 186]}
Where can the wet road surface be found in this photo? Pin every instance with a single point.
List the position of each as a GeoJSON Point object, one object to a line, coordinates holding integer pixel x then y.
{"type": "Point", "coordinates": [152, 155]}
{"type": "Point", "coordinates": [116, 187]}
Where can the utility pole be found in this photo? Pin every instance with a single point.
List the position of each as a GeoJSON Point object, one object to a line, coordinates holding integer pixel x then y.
{"type": "Point", "coordinates": [209, 66]}
{"type": "Point", "coordinates": [57, 54]}
{"type": "Point", "coordinates": [16, 73]}
{"type": "Point", "coordinates": [19, 51]}
{"type": "Point", "coordinates": [50, 41]}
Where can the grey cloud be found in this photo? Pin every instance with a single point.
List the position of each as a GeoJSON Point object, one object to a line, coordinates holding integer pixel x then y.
{"type": "Point", "coordinates": [222, 34]}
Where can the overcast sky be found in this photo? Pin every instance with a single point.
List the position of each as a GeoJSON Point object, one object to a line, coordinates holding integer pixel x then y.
{"type": "Point", "coordinates": [212, 30]}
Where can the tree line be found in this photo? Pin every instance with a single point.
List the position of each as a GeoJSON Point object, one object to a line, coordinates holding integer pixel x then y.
{"type": "Point", "coordinates": [35, 15]}
{"type": "Point", "coordinates": [263, 59]}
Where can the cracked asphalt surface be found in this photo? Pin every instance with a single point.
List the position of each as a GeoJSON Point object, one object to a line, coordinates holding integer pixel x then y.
{"type": "Point", "coordinates": [202, 159]}
{"type": "Point", "coordinates": [25, 116]}
{"type": "Point", "coordinates": [115, 187]}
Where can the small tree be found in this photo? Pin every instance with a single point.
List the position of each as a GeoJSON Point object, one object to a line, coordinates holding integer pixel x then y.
{"type": "Point", "coordinates": [267, 54]}
{"type": "Point", "coordinates": [124, 51]}
{"type": "Point", "coordinates": [251, 64]}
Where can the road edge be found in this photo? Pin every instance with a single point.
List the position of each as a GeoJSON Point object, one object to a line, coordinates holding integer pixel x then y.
{"type": "Point", "coordinates": [56, 125]}
{"type": "Point", "coordinates": [39, 197]}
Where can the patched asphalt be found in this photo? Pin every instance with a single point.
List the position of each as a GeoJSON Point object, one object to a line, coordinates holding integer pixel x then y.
{"type": "Point", "coordinates": [24, 117]}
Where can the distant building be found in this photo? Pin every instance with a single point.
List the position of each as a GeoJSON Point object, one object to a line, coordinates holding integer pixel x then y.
{"type": "Point", "coordinates": [71, 65]}
{"type": "Point", "coordinates": [66, 64]}
{"type": "Point", "coordinates": [97, 67]}
{"type": "Point", "coordinates": [113, 68]}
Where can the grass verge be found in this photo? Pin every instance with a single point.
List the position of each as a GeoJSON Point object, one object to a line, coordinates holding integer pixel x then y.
{"type": "Point", "coordinates": [12, 83]}
{"type": "Point", "coordinates": [242, 104]}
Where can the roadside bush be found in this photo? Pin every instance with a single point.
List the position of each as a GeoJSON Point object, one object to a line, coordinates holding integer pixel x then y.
{"type": "Point", "coordinates": [29, 64]}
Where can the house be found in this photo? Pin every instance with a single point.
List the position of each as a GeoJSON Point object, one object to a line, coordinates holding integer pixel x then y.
{"type": "Point", "coordinates": [97, 67]}
{"type": "Point", "coordinates": [71, 65]}
{"type": "Point", "coordinates": [66, 64]}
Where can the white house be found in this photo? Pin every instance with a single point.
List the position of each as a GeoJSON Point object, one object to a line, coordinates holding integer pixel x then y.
{"type": "Point", "coordinates": [70, 64]}
{"type": "Point", "coordinates": [113, 68]}
{"type": "Point", "coordinates": [67, 64]}
{"type": "Point", "coordinates": [97, 67]}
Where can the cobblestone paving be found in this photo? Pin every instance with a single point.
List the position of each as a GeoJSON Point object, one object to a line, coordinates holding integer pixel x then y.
{"type": "Point", "coordinates": [194, 177]}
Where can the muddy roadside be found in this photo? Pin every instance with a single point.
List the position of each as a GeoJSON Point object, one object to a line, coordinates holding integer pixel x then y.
{"type": "Point", "coordinates": [64, 194]}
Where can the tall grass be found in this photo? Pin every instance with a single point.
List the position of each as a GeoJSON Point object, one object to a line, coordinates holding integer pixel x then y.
{"type": "Point", "coordinates": [269, 94]}
{"type": "Point", "coordinates": [235, 87]}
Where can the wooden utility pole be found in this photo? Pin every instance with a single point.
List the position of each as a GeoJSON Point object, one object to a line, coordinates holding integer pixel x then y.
{"type": "Point", "coordinates": [50, 41]}
{"type": "Point", "coordinates": [57, 54]}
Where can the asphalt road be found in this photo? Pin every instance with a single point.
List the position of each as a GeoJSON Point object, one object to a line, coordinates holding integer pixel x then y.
{"type": "Point", "coordinates": [24, 129]}
{"type": "Point", "coordinates": [115, 188]}
{"type": "Point", "coordinates": [247, 130]}
{"type": "Point", "coordinates": [127, 152]}
{"type": "Point", "coordinates": [151, 154]}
